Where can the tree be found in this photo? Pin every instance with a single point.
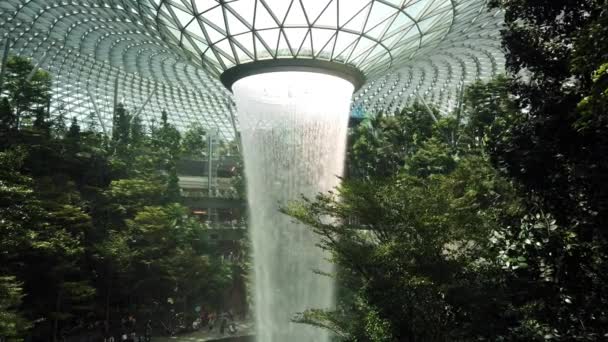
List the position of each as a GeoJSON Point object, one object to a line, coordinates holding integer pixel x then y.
{"type": "Point", "coordinates": [553, 145]}
{"type": "Point", "coordinates": [60, 129]}
{"type": "Point", "coordinates": [167, 142]}
{"type": "Point", "coordinates": [88, 227]}
{"type": "Point", "coordinates": [73, 134]}
{"type": "Point", "coordinates": [416, 255]}
{"type": "Point", "coordinates": [121, 124]}
{"type": "Point", "coordinates": [7, 116]}
{"type": "Point", "coordinates": [12, 324]}
{"type": "Point", "coordinates": [194, 143]}
{"type": "Point", "coordinates": [27, 96]}
{"type": "Point", "coordinates": [137, 131]}
{"type": "Point", "coordinates": [488, 106]}
{"type": "Point", "coordinates": [381, 144]}
{"type": "Point", "coordinates": [433, 157]}
{"type": "Point", "coordinates": [43, 230]}
{"type": "Point", "coordinates": [414, 246]}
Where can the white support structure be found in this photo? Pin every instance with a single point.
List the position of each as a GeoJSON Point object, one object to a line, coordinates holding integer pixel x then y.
{"type": "Point", "coordinates": [97, 113]}
{"type": "Point", "coordinates": [141, 108]}
{"type": "Point", "coordinates": [30, 76]}
{"type": "Point", "coordinates": [426, 106]}
{"type": "Point", "coordinates": [7, 48]}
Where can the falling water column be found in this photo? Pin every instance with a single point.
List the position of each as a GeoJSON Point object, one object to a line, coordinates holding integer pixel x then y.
{"type": "Point", "coordinates": [293, 127]}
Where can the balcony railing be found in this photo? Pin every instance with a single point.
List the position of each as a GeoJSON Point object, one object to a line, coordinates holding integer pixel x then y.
{"type": "Point", "coordinates": [230, 193]}
{"type": "Point", "coordinates": [240, 225]}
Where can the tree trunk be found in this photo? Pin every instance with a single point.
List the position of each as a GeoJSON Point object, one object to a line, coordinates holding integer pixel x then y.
{"type": "Point", "coordinates": [108, 297]}
{"type": "Point", "coordinates": [17, 119]}
{"type": "Point", "coordinates": [56, 320]}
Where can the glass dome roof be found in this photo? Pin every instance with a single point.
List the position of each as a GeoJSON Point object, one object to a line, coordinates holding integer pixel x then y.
{"type": "Point", "coordinates": [371, 35]}
{"type": "Point", "coordinates": [156, 55]}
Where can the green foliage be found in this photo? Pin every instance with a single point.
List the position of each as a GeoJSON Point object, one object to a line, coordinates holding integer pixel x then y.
{"type": "Point", "coordinates": [89, 225]}
{"type": "Point", "coordinates": [381, 144]}
{"type": "Point", "coordinates": [434, 244]}
{"type": "Point", "coordinates": [488, 106]}
{"type": "Point", "coordinates": [433, 157]}
{"type": "Point", "coordinates": [194, 143]}
{"type": "Point", "coordinates": [12, 324]}
{"type": "Point", "coordinates": [26, 97]}
{"type": "Point", "coordinates": [414, 247]}
{"type": "Point", "coordinates": [131, 194]}
{"type": "Point", "coordinates": [553, 143]}
{"type": "Point", "coordinates": [592, 109]}
{"type": "Point", "coordinates": [419, 247]}
{"type": "Point", "coordinates": [7, 116]}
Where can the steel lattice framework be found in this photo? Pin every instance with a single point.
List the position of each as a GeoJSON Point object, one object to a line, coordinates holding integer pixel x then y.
{"type": "Point", "coordinates": [156, 55]}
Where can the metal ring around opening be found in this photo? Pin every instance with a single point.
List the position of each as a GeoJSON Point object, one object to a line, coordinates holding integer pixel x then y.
{"type": "Point", "coordinates": [347, 72]}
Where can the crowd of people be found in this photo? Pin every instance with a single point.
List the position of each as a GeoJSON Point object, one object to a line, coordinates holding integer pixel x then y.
{"type": "Point", "coordinates": [131, 331]}
{"type": "Point", "coordinates": [224, 322]}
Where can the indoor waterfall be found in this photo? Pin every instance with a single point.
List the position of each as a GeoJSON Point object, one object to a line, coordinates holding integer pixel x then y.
{"type": "Point", "coordinates": [293, 131]}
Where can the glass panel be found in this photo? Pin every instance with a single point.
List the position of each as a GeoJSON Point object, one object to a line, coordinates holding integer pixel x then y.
{"type": "Point", "coordinates": [278, 7]}
{"type": "Point", "coordinates": [296, 37]}
{"type": "Point", "coordinates": [244, 9]}
{"type": "Point", "coordinates": [283, 47]}
{"type": "Point", "coordinates": [313, 8]}
{"type": "Point", "coordinates": [362, 46]}
{"type": "Point", "coordinates": [235, 25]}
{"type": "Point", "coordinates": [224, 46]}
{"type": "Point", "coordinates": [320, 38]}
{"type": "Point", "coordinates": [263, 19]}
{"type": "Point", "coordinates": [296, 16]}
{"type": "Point", "coordinates": [356, 23]}
{"type": "Point", "coordinates": [379, 31]}
{"type": "Point", "coordinates": [348, 9]}
{"type": "Point", "coordinates": [415, 9]}
{"type": "Point", "coordinates": [216, 17]}
{"type": "Point", "coordinates": [327, 18]}
{"type": "Point", "coordinates": [263, 50]}
{"type": "Point", "coordinates": [184, 18]}
{"type": "Point", "coordinates": [306, 50]}
{"type": "Point", "coordinates": [271, 38]}
{"type": "Point", "coordinates": [242, 56]}
{"type": "Point", "coordinates": [214, 35]}
{"type": "Point", "coordinates": [246, 40]}
{"type": "Point", "coordinates": [400, 25]}
{"type": "Point", "coordinates": [195, 30]}
{"type": "Point", "coordinates": [201, 6]}
{"type": "Point", "coordinates": [379, 13]}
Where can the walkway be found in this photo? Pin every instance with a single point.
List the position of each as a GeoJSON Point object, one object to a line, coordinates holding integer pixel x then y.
{"type": "Point", "coordinates": [244, 329]}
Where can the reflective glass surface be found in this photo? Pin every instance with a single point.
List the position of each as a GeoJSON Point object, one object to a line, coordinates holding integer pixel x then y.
{"type": "Point", "coordinates": [167, 54]}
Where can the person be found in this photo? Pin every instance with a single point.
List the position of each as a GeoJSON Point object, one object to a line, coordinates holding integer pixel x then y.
{"type": "Point", "coordinates": [232, 324]}
{"type": "Point", "coordinates": [211, 320]}
{"type": "Point", "coordinates": [204, 318]}
{"type": "Point", "coordinates": [107, 335]}
{"type": "Point", "coordinates": [148, 332]}
{"type": "Point", "coordinates": [133, 327]}
{"type": "Point", "coordinates": [223, 322]}
{"type": "Point", "coordinates": [128, 325]}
